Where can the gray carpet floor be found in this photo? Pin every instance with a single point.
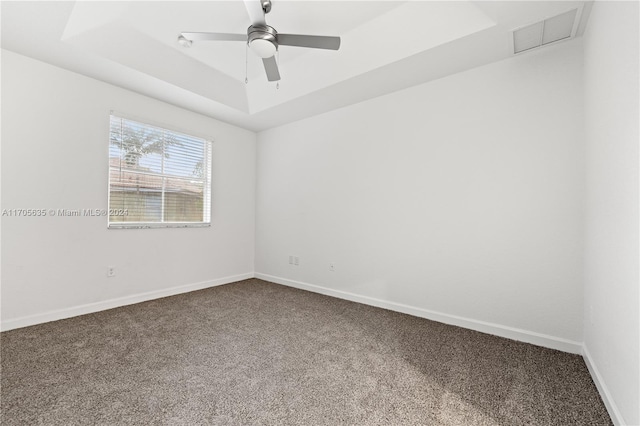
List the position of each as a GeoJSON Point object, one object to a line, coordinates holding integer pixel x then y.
{"type": "Point", "coordinates": [254, 352]}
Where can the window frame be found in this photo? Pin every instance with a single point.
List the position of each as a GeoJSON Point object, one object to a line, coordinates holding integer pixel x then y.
{"type": "Point", "coordinates": [206, 181]}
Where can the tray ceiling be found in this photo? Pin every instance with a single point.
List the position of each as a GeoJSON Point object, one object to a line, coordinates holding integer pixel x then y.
{"type": "Point", "coordinates": [386, 46]}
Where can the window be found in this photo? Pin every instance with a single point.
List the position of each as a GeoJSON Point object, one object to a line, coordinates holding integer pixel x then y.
{"type": "Point", "coordinates": [157, 177]}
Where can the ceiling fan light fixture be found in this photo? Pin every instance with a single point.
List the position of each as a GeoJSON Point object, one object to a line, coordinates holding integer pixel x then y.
{"type": "Point", "coordinates": [262, 40]}
{"type": "Point", "coordinates": [263, 48]}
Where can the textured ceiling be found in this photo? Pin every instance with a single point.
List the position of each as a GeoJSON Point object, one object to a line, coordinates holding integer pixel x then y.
{"type": "Point", "coordinates": [386, 46]}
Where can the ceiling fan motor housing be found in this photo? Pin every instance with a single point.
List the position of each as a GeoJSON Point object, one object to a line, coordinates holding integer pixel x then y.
{"type": "Point", "coordinates": [263, 40]}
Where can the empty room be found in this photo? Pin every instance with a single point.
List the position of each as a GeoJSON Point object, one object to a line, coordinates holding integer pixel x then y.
{"type": "Point", "coordinates": [320, 212]}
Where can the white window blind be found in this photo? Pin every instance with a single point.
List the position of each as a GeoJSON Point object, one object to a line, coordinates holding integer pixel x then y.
{"type": "Point", "coordinates": [157, 177]}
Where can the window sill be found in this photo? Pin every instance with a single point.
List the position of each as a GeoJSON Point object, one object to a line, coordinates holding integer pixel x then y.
{"type": "Point", "coordinates": [144, 225]}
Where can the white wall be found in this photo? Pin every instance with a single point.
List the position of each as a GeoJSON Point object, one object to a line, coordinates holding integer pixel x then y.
{"type": "Point", "coordinates": [54, 155]}
{"type": "Point", "coordinates": [611, 261]}
{"type": "Point", "coordinates": [462, 196]}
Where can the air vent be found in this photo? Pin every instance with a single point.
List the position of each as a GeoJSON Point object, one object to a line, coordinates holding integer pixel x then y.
{"type": "Point", "coordinates": [560, 27]}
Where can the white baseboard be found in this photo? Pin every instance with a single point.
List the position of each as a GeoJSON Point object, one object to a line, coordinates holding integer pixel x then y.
{"type": "Point", "coordinates": [612, 408]}
{"type": "Point", "coordinates": [482, 326]}
{"type": "Point", "coordinates": [89, 308]}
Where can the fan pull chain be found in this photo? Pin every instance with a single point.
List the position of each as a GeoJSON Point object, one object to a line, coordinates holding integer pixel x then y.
{"type": "Point", "coordinates": [278, 63]}
{"type": "Point", "coordinates": [246, 66]}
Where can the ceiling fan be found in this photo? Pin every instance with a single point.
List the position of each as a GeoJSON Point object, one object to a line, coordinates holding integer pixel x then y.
{"type": "Point", "coordinates": [263, 39]}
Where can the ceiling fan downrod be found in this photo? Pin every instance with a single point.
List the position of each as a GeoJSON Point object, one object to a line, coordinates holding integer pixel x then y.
{"type": "Point", "coordinates": [266, 5]}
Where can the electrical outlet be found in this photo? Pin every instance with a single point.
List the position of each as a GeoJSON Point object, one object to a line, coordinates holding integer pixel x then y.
{"type": "Point", "coordinates": [332, 267]}
{"type": "Point", "coordinates": [111, 271]}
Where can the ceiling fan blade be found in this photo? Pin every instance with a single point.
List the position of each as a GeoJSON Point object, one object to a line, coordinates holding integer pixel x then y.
{"type": "Point", "coordinates": [271, 67]}
{"type": "Point", "coordinates": [214, 37]}
{"type": "Point", "coordinates": [256, 13]}
{"type": "Point", "coordinates": [316, 42]}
